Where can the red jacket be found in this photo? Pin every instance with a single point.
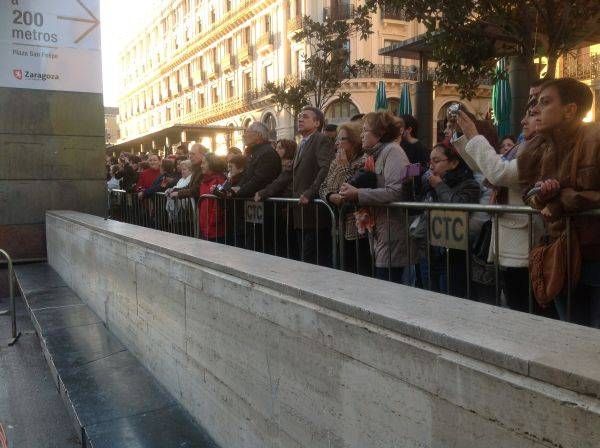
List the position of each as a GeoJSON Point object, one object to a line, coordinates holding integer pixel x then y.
{"type": "Point", "coordinates": [210, 211]}
{"type": "Point", "coordinates": [146, 179]}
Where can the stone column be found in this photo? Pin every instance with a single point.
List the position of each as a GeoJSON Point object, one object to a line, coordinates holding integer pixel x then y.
{"type": "Point", "coordinates": [521, 72]}
{"type": "Point", "coordinates": [424, 100]}
{"type": "Point", "coordinates": [52, 157]}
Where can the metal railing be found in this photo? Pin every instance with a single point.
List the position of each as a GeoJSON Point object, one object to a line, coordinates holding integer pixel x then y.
{"type": "Point", "coordinates": [494, 213]}
{"type": "Point", "coordinates": [393, 13]}
{"type": "Point", "coordinates": [12, 310]}
{"type": "Point", "coordinates": [582, 66]}
{"type": "Point", "coordinates": [157, 211]}
{"type": "Point", "coordinates": [339, 11]}
{"type": "Point", "coordinates": [394, 71]}
{"type": "Point", "coordinates": [280, 226]}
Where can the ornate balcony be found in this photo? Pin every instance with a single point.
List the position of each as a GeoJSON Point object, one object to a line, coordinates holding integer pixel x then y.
{"type": "Point", "coordinates": [584, 66]}
{"type": "Point", "coordinates": [213, 71]}
{"type": "Point", "coordinates": [227, 63]}
{"type": "Point", "coordinates": [340, 11]}
{"type": "Point", "coordinates": [294, 24]}
{"type": "Point", "coordinates": [264, 44]}
{"type": "Point", "coordinates": [391, 13]}
{"type": "Point", "coordinates": [292, 80]}
{"type": "Point", "coordinates": [245, 54]}
{"type": "Point", "coordinates": [228, 108]}
{"type": "Point", "coordinates": [197, 77]}
{"type": "Point", "coordinates": [187, 83]}
{"type": "Point", "coordinates": [390, 71]}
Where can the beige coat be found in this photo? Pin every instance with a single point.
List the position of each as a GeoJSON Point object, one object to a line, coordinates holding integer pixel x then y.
{"type": "Point", "coordinates": [388, 238]}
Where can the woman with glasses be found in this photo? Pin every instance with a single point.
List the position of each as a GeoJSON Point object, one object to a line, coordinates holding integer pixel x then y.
{"type": "Point", "coordinates": [387, 227]}
{"type": "Point", "coordinates": [349, 159]}
{"type": "Point", "coordinates": [449, 181]}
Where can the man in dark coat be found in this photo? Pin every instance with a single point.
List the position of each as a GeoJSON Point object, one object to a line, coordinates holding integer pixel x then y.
{"type": "Point", "coordinates": [262, 167]}
{"type": "Point", "coordinates": [311, 164]}
{"type": "Point", "coordinates": [262, 162]}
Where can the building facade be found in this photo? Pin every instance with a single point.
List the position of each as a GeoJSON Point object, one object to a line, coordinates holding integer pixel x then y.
{"type": "Point", "coordinates": [205, 62]}
{"type": "Point", "coordinates": [111, 125]}
{"type": "Point", "coordinates": [584, 65]}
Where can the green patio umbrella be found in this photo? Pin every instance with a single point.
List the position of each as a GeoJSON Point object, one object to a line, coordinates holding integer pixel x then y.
{"type": "Point", "coordinates": [381, 102]}
{"type": "Point", "coordinates": [405, 106]}
{"type": "Point", "coordinates": [501, 100]}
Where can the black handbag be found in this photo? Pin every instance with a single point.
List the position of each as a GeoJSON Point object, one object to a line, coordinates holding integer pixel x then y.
{"type": "Point", "coordinates": [363, 179]}
{"type": "Point", "coordinates": [483, 272]}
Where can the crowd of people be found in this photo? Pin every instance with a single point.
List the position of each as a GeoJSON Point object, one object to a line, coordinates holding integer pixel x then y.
{"type": "Point", "coordinates": [359, 167]}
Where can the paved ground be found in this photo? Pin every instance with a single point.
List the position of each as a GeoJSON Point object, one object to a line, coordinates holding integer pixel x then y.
{"type": "Point", "coordinates": [31, 411]}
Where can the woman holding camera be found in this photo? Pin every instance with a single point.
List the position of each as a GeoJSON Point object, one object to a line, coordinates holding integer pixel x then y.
{"type": "Point", "coordinates": [387, 227]}
{"type": "Point", "coordinates": [513, 229]}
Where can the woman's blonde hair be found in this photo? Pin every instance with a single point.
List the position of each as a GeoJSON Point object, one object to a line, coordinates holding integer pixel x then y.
{"type": "Point", "coordinates": [353, 130]}
{"type": "Point", "coordinates": [384, 125]}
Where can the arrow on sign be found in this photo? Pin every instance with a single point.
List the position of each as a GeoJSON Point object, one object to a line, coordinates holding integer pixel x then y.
{"type": "Point", "coordinates": [93, 20]}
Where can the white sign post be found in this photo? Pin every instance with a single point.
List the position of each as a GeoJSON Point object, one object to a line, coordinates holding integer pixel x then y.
{"type": "Point", "coordinates": [50, 45]}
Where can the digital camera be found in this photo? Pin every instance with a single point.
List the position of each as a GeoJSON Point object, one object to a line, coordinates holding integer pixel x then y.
{"type": "Point", "coordinates": [453, 109]}
{"type": "Point", "coordinates": [222, 189]}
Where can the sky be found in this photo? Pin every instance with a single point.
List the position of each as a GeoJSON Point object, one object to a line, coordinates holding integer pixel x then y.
{"type": "Point", "coordinates": [120, 21]}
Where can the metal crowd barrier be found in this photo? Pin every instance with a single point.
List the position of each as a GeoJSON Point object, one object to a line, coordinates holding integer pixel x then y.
{"type": "Point", "coordinates": [270, 227]}
{"type": "Point", "coordinates": [157, 211]}
{"type": "Point", "coordinates": [249, 224]}
{"type": "Point", "coordinates": [494, 212]}
{"type": "Point", "coordinates": [12, 310]}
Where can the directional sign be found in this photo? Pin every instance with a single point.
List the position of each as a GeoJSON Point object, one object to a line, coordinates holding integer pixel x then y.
{"type": "Point", "coordinates": [50, 45]}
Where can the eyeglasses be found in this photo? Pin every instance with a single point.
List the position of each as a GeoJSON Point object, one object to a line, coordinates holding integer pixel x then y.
{"type": "Point", "coordinates": [436, 161]}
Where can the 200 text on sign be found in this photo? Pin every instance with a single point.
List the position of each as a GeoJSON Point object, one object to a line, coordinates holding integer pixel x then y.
{"type": "Point", "coordinates": [50, 45]}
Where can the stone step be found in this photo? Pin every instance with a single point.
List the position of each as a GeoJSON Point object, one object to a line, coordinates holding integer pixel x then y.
{"type": "Point", "coordinates": [112, 399]}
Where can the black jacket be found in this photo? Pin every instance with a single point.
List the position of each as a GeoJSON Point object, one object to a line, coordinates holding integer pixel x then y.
{"type": "Point", "coordinates": [282, 186]}
{"type": "Point", "coordinates": [128, 177]}
{"type": "Point", "coordinates": [262, 167]}
{"type": "Point", "coordinates": [458, 187]}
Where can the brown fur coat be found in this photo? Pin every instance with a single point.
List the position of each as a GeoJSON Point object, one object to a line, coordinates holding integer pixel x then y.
{"type": "Point", "coordinates": [575, 163]}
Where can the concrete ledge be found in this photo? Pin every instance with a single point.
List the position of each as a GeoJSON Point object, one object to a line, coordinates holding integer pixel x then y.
{"type": "Point", "coordinates": [265, 351]}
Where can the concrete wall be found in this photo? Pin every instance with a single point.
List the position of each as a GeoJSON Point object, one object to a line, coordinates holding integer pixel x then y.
{"type": "Point", "coordinates": [51, 157]}
{"type": "Point", "coordinates": [267, 352]}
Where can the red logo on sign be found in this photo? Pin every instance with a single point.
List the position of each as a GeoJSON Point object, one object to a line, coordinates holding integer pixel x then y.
{"type": "Point", "coordinates": [18, 73]}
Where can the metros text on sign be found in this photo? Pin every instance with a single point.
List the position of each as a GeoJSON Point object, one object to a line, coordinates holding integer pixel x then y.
{"type": "Point", "coordinates": [50, 45]}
